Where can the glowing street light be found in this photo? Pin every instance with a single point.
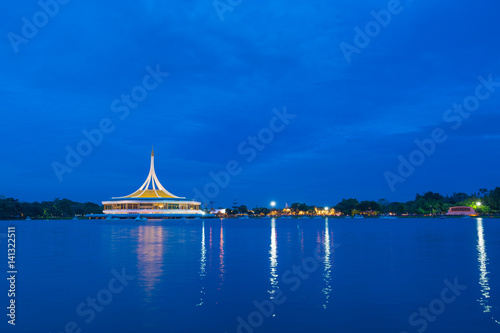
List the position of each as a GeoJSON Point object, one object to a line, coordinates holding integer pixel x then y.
{"type": "Point", "coordinates": [478, 203]}
{"type": "Point", "coordinates": [327, 208]}
{"type": "Point", "coordinates": [273, 203]}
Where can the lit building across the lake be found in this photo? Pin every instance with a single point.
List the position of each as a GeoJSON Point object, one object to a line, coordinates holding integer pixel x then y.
{"type": "Point", "coordinates": [461, 210]}
{"type": "Point", "coordinates": [151, 200]}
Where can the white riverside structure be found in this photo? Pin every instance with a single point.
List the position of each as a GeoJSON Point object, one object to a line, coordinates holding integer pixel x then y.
{"type": "Point", "coordinates": [152, 201]}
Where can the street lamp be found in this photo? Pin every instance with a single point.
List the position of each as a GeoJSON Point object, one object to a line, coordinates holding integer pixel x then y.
{"type": "Point", "coordinates": [478, 203]}
{"type": "Point", "coordinates": [273, 203]}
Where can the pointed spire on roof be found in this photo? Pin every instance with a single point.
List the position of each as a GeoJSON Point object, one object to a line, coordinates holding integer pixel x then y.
{"type": "Point", "coordinates": [152, 151]}
{"type": "Point", "coordinates": [157, 190]}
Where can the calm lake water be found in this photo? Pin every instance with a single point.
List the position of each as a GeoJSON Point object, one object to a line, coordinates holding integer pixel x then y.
{"type": "Point", "coordinates": [308, 275]}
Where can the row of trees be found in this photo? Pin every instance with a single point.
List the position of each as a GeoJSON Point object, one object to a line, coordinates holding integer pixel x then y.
{"type": "Point", "coordinates": [484, 202]}
{"type": "Point", "coordinates": [242, 209]}
{"type": "Point", "coordinates": [58, 208]}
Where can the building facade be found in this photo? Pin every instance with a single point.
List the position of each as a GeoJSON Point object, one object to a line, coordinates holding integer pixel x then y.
{"type": "Point", "coordinates": [461, 210]}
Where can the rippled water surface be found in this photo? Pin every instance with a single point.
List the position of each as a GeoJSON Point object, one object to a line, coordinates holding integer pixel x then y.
{"type": "Point", "coordinates": [262, 275]}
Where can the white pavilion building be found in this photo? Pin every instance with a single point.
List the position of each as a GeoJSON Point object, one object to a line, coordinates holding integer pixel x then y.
{"type": "Point", "coordinates": [151, 200]}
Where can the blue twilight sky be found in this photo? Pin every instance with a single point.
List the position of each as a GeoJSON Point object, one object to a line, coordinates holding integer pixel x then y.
{"type": "Point", "coordinates": [359, 101]}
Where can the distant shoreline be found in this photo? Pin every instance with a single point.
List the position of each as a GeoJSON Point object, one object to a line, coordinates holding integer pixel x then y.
{"type": "Point", "coordinates": [266, 217]}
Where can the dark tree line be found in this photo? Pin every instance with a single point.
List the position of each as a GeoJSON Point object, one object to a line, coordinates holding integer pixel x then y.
{"type": "Point", "coordinates": [242, 209]}
{"type": "Point", "coordinates": [58, 208]}
{"type": "Point", "coordinates": [484, 202]}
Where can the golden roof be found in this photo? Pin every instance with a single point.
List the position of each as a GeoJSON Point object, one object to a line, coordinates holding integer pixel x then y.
{"type": "Point", "coordinates": [150, 194]}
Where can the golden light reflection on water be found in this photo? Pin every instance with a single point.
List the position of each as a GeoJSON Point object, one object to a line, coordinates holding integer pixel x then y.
{"type": "Point", "coordinates": [210, 242]}
{"type": "Point", "coordinates": [484, 280]}
{"type": "Point", "coordinates": [273, 259]}
{"type": "Point", "coordinates": [150, 257]}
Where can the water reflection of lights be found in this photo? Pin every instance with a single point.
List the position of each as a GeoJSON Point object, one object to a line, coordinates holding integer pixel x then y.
{"type": "Point", "coordinates": [484, 280]}
{"type": "Point", "coordinates": [210, 239]}
{"type": "Point", "coordinates": [210, 249]}
{"type": "Point", "coordinates": [327, 272]}
{"type": "Point", "coordinates": [203, 262]}
{"type": "Point", "coordinates": [301, 237]}
{"type": "Point", "coordinates": [150, 256]}
{"type": "Point", "coordinates": [273, 258]}
{"type": "Point", "coordinates": [221, 255]}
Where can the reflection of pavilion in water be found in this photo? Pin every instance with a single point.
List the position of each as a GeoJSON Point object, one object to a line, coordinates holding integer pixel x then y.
{"type": "Point", "coordinates": [150, 256]}
{"type": "Point", "coordinates": [150, 250]}
{"type": "Point", "coordinates": [484, 280]}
